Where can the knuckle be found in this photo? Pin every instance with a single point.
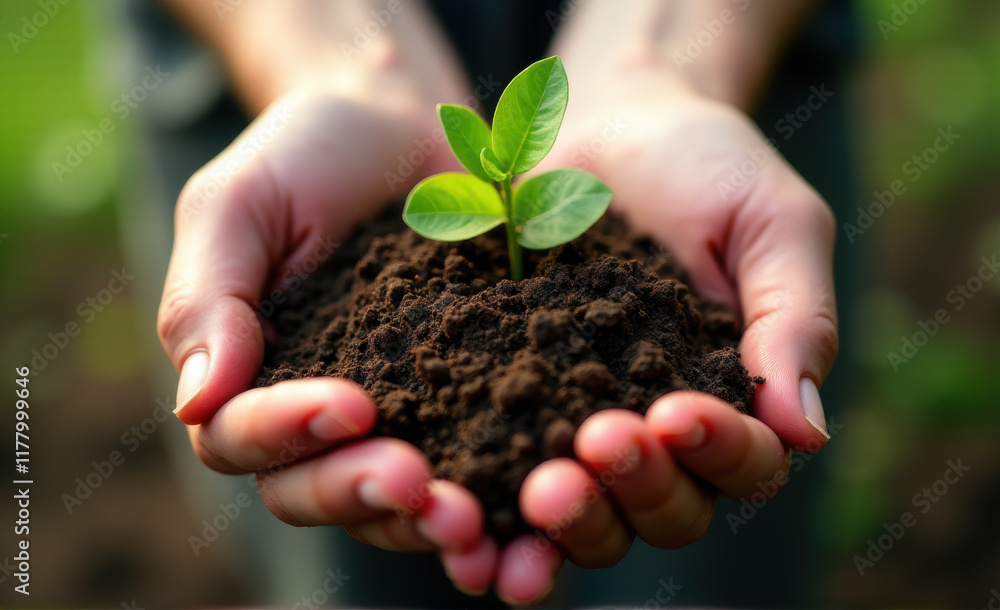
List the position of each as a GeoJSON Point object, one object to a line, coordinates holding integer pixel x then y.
{"type": "Point", "coordinates": [203, 190]}
{"type": "Point", "coordinates": [270, 496]}
{"type": "Point", "coordinates": [210, 457]}
{"type": "Point", "coordinates": [826, 337]}
{"type": "Point", "coordinates": [825, 217]}
{"type": "Point", "coordinates": [174, 308]}
{"type": "Point", "coordinates": [686, 531]}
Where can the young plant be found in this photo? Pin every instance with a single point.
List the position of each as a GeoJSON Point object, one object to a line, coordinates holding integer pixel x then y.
{"type": "Point", "coordinates": [544, 211]}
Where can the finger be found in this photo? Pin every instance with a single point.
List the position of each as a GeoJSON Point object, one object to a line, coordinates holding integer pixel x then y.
{"type": "Point", "coordinates": [562, 500]}
{"type": "Point", "coordinates": [472, 570]}
{"type": "Point", "coordinates": [266, 427]}
{"type": "Point", "coordinates": [737, 454]}
{"type": "Point", "coordinates": [234, 229]}
{"type": "Point", "coordinates": [448, 518]}
{"type": "Point", "coordinates": [371, 478]}
{"type": "Point", "coordinates": [390, 533]}
{"type": "Point", "coordinates": [782, 252]}
{"type": "Point", "coordinates": [221, 258]}
{"type": "Point", "coordinates": [527, 570]}
{"type": "Point", "coordinates": [662, 504]}
{"type": "Point", "coordinates": [767, 252]}
{"type": "Point", "coordinates": [451, 516]}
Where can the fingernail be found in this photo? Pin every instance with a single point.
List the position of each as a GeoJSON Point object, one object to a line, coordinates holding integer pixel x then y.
{"type": "Point", "coordinates": [193, 374]}
{"type": "Point", "coordinates": [812, 406]}
{"type": "Point", "coordinates": [468, 592]}
{"type": "Point", "coordinates": [528, 602]}
{"type": "Point", "coordinates": [454, 581]}
{"type": "Point", "coordinates": [329, 426]}
{"type": "Point", "coordinates": [627, 461]}
{"type": "Point", "coordinates": [425, 530]}
{"type": "Point", "coordinates": [372, 495]}
{"type": "Point", "coordinates": [694, 437]}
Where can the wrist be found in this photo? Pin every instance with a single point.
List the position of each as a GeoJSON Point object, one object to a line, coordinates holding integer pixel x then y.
{"type": "Point", "coordinates": [276, 48]}
{"type": "Point", "coordinates": [263, 69]}
{"type": "Point", "coordinates": [723, 49]}
{"type": "Point", "coordinates": [726, 70]}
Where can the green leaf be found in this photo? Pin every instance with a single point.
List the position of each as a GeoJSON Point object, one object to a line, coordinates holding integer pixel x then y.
{"type": "Point", "coordinates": [558, 206]}
{"type": "Point", "coordinates": [492, 166]}
{"type": "Point", "coordinates": [452, 207]}
{"type": "Point", "coordinates": [529, 114]}
{"type": "Point", "coordinates": [467, 134]}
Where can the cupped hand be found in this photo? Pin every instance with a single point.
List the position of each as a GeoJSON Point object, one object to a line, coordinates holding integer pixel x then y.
{"type": "Point", "coordinates": [249, 226]}
{"type": "Point", "coordinates": [753, 235]}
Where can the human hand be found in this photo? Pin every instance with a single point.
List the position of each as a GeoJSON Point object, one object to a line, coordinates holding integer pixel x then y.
{"type": "Point", "coordinates": [758, 240]}
{"type": "Point", "coordinates": [273, 204]}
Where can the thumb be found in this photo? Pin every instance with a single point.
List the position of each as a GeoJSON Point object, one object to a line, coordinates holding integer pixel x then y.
{"type": "Point", "coordinates": [221, 258]}
{"type": "Point", "coordinates": [782, 254]}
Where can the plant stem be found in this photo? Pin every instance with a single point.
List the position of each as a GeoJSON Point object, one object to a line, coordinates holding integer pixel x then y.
{"type": "Point", "coordinates": [513, 248]}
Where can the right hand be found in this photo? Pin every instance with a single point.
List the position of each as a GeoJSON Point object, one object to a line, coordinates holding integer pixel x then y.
{"type": "Point", "coordinates": [296, 181]}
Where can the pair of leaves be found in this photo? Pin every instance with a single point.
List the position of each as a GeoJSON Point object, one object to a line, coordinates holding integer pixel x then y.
{"type": "Point", "coordinates": [525, 126]}
{"type": "Point", "coordinates": [547, 210]}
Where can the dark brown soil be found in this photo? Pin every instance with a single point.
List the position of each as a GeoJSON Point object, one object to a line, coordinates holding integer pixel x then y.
{"type": "Point", "coordinates": [490, 377]}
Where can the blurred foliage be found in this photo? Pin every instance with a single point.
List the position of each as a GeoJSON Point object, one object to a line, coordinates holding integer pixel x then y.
{"type": "Point", "coordinates": [926, 66]}
{"type": "Point", "coordinates": [938, 70]}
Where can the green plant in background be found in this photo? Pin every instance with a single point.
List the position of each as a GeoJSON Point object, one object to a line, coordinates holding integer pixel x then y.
{"type": "Point", "coordinates": [544, 211]}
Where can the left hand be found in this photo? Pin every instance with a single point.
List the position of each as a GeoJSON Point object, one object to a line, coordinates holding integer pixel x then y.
{"type": "Point", "coordinates": [701, 178]}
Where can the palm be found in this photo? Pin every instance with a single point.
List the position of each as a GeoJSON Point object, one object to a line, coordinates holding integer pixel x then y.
{"type": "Point", "coordinates": [703, 181]}
{"type": "Point", "coordinates": [682, 170]}
{"type": "Point", "coordinates": [338, 161]}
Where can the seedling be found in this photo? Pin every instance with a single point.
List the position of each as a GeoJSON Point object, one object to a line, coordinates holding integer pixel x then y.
{"type": "Point", "coordinates": [544, 211]}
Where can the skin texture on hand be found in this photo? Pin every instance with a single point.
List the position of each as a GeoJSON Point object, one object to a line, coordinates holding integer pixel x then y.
{"type": "Point", "coordinates": [278, 208]}
{"type": "Point", "coordinates": [273, 204]}
{"type": "Point", "coordinates": [753, 235]}
{"type": "Point", "coordinates": [313, 163]}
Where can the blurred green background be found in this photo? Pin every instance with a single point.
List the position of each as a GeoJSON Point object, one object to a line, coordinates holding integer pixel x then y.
{"type": "Point", "coordinates": [61, 243]}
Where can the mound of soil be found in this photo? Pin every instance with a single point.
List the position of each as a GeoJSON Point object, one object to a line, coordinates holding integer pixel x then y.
{"type": "Point", "coordinates": [490, 377]}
